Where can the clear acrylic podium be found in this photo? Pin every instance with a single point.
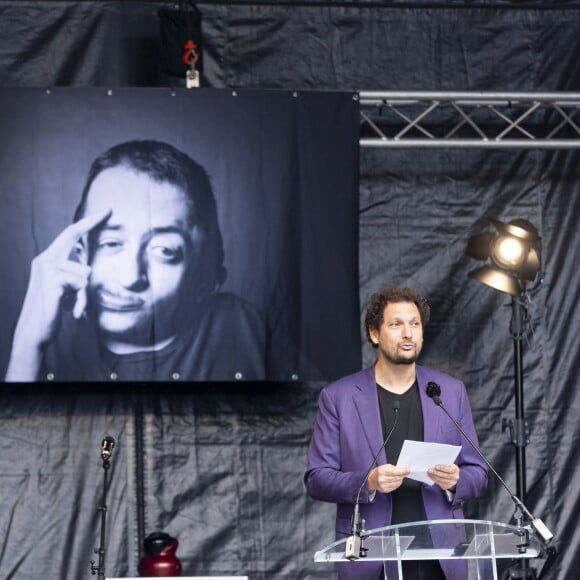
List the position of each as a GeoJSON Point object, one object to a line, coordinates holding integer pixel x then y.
{"type": "Point", "coordinates": [480, 543]}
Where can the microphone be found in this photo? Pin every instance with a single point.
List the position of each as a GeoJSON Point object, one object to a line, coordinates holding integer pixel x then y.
{"type": "Point", "coordinates": [354, 544]}
{"type": "Point", "coordinates": [107, 447]}
{"type": "Point", "coordinates": [433, 391]}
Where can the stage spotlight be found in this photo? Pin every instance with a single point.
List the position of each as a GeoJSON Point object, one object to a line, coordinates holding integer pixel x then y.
{"type": "Point", "coordinates": [513, 259]}
{"type": "Point", "coordinates": [513, 253]}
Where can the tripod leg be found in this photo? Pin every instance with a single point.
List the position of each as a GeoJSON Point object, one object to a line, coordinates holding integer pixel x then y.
{"type": "Point", "coordinates": [519, 571]}
{"type": "Point", "coordinates": [550, 559]}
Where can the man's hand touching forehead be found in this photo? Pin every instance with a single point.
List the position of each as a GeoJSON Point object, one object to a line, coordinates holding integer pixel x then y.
{"type": "Point", "coordinates": [53, 276]}
{"type": "Point", "coordinates": [71, 237]}
{"type": "Point", "coordinates": [58, 275]}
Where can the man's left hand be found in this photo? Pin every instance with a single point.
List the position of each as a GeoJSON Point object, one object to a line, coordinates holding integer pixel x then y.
{"type": "Point", "coordinates": [445, 476]}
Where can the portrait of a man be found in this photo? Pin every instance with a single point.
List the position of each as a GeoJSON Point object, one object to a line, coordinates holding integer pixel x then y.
{"type": "Point", "coordinates": [174, 236]}
{"type": "Point", "coordinates": [131, 290]}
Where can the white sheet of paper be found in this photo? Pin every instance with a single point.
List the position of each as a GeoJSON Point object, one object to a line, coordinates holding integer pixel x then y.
{"type": "Point", "coordinates": [419, 456]}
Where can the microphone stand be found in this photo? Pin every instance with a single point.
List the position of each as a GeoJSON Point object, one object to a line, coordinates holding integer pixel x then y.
{"type": "Point", "coordinates": [433, 391]}
{"type": "Point", "coordinates": [523, 571]}
{"type": "Point", "coordinates": [354, 548]}
{"type": "Point", "coordinates": [100, 568]}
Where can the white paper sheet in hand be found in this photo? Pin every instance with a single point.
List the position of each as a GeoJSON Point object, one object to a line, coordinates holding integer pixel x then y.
{"type": "Point", "coordinates": [419, 456]}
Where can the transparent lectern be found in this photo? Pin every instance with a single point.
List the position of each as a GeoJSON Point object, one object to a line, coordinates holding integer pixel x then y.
{"type": "Point", "coordinates": [479, 543]}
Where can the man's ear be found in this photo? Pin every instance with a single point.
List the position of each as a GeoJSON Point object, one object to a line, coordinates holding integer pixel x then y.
{"type": "Point", "coordinates": [374, 335]}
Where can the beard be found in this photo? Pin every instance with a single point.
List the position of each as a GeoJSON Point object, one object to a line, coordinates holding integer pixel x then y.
{"type": "Point", "coordinates": [401, 360]}
{"type": "Point", "coordinates": [394, 356]}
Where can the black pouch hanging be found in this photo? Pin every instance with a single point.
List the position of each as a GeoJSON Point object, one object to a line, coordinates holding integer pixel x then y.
{"type": "Point", "coordinates": [181, 40]}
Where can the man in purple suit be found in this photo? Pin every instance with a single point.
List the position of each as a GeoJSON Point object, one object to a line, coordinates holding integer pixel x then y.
{"type": "Point", "coordinates": [354, 417]}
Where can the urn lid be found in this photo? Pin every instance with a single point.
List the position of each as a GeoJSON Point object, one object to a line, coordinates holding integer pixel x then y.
{"type": "Point", "coordinates": [156, 542]}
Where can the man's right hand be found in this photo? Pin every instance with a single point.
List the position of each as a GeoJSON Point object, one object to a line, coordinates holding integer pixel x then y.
{"type": "Point", "coordinates": [386, 478]}
{"type": "Point", "coordinates": [54, 278]}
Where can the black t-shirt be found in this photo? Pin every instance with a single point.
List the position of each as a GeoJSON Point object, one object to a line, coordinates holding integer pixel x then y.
{"type": "Point", "coordinates": [407, 499]}
{"type": "Point", "coordinates": [224, 339]}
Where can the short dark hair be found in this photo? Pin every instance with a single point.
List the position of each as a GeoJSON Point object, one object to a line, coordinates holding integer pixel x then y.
{"type": "Point", "coordinates": [380, 299]}
{"type": "Point", "coordinates": [164, 163]}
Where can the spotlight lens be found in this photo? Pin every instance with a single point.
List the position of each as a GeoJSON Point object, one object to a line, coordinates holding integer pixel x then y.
{"type": "Point", "coordinates": [508, 252]}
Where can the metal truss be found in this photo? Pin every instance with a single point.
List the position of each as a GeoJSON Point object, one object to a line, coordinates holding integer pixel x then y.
{"type": "Point", "coordinates": [469, 120]}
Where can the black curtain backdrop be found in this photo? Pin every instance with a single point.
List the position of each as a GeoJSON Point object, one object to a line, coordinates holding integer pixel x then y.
{"type": "Point", "coordinates": [221, 468]}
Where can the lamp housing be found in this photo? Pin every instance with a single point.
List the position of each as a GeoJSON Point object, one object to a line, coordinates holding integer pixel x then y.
{"type": "Point", "coordinates": [512, 253]}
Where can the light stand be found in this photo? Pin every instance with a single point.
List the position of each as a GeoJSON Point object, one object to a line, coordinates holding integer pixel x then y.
{"type": "Point", "coordinates": [106, 452]}
{"type": "Point", "coordinates": [517, 428]}
{"type": "Point", "coordinates": [513, 255]}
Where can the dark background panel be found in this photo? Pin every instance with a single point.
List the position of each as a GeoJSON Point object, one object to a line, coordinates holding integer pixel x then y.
{"type": "Point", "coordinates": [289, 230]}
{"type": "Point", "coordinates": [222, 466]}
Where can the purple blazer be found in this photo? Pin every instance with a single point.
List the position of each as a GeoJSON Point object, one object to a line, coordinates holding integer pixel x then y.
{"type": "Point", "coordinates": [348, 433]}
